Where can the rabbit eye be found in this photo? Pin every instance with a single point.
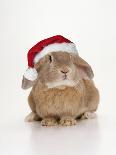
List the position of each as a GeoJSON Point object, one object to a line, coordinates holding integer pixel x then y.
{"type": "Point", "coordinates": [50, 58]}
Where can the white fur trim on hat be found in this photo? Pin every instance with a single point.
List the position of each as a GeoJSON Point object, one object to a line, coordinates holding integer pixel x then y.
{"type": "Point", "coordinates": [31, 74]}
{"type": "Point", "coordinates": [62, 47]}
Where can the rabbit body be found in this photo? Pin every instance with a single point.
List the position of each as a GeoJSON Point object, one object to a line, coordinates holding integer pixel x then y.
{"type": "Point", "coordinates": [69, 101]}
{"type": "Point", "coordinates": [55, 101]}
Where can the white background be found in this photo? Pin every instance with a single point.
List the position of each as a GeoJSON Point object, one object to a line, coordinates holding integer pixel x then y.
{"type": "Point", "coordinates": [91, 25]}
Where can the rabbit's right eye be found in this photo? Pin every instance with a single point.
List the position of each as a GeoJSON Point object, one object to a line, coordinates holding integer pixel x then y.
{"type": "Point", "coordinates": [50, 58]}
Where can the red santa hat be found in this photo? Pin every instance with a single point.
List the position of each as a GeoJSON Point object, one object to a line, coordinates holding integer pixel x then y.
{"type": "Point", "coordinates": [42, 48]}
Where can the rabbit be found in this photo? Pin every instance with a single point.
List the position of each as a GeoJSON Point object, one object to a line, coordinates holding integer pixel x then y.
{"type": "Point", "coordinates": [63, 91]}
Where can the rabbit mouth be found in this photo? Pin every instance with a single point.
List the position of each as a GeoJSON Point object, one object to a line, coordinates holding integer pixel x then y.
{"type": "Point", "coordinates": [65, 77]}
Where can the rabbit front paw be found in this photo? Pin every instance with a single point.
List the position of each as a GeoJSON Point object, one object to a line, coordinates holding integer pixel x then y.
{"type": "Point", "coordinates": [49, 122]}
{"type": "Point", "coordinates": [68, 121]}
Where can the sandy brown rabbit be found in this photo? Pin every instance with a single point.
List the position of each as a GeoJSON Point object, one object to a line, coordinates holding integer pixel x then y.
{"type": "Point", "coordinates": [63, 91]}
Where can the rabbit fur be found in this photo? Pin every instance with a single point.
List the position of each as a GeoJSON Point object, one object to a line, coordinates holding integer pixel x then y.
{"type": "Point", "coordinates": [63, 91]}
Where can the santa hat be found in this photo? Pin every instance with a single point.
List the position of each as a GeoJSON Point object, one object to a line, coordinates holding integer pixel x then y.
{"type": "Point", "coordinates": [42, 48]}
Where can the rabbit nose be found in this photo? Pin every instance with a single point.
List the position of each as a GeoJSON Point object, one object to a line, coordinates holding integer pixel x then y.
{"type": "Point", "coordinates": [64, 72]}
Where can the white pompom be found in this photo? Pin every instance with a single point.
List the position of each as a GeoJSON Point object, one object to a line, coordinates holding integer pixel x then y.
{"type": "Point", "coordinates": [31, 74]}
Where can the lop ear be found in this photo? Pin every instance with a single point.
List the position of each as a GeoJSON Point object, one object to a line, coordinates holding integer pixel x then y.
{"type": "Point", "coordinates": [26, 84]}
{"type": "Point", "coordinates": [85, 70]}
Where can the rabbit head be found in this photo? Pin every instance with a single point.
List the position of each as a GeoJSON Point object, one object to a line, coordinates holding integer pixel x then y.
{"type": "Point", "coordinates": [60, 69]}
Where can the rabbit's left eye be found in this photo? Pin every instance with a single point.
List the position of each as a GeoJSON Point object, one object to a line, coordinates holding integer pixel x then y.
{"type": "Point", "coordinates": [50, 58]}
